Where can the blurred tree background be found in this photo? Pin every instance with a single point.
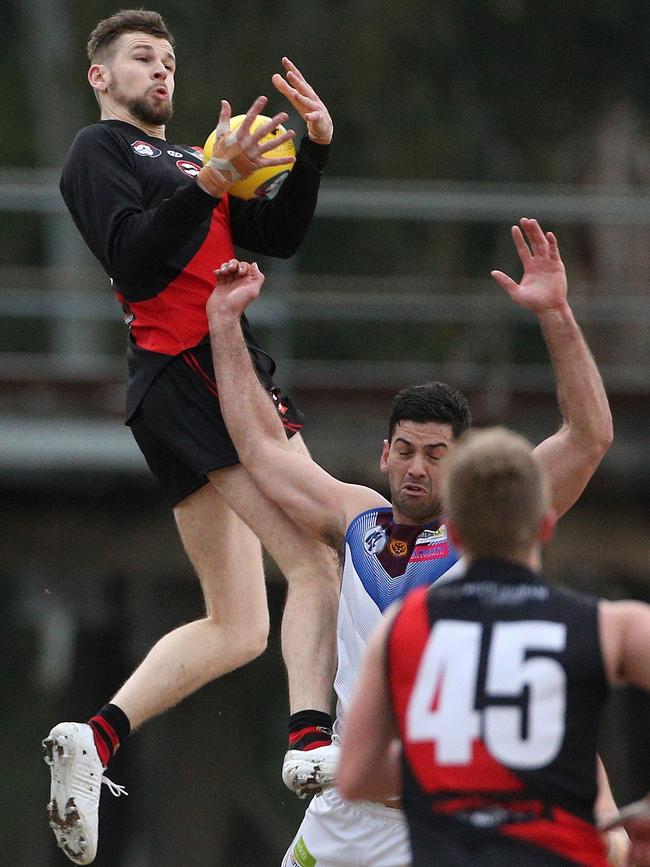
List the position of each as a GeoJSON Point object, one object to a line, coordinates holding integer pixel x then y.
{"type": "Point", "coordinates": [470, 98]}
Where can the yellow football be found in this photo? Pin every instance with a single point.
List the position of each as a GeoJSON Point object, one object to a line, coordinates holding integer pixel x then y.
{"type": "Point", "coordinates": [264, 182]}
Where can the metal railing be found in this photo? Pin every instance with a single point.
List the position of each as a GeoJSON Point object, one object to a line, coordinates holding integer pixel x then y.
{"type": "Point", "coordinates": [348, 333]}
{"type": "Point", "coordinates": [358, 306]}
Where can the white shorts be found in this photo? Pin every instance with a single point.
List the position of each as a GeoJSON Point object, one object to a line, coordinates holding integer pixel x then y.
{"type": "Point", "coordinates": [338, 833]}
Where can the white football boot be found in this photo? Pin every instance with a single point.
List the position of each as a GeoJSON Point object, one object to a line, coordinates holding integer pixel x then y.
{"type": "Point", "coordinates": [77, 776]}
{"type": "Point", "coordinates": [308, 772]}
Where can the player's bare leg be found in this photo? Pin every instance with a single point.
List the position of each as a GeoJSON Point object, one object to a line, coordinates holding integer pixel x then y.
{"type": "Point", "coordinates": [309, 621]}
{"type": "Point", "coordinates": [226, 555]}
{"type": "Point", "coordinates": [227, 558]}
{"type": "Point", "coordinates": [308, 626]}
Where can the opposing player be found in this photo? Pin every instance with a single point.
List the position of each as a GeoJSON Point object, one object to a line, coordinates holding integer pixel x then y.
{"type": "Point", "coordinates": [387, 548]}
{"type": "Point", "coordinates": [159, 222]}
{"type": "Point", "coordinates": [494, 683]}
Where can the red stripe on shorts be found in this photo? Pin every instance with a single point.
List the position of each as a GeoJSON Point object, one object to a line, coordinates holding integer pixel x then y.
{"type": "Point", "coordinates": [192, 362]}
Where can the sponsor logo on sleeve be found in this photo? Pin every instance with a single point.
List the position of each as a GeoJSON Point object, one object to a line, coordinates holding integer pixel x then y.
{"type": "Point", "coordinates": [144, 149]}
{"type": "Point", "coordinates": [188, 168]}
{"type": "Point", "coordinates": [176, 154]}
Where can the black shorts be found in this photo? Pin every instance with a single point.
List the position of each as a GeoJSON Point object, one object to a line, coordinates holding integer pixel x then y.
{"type": "Point", "coordinates": [179, 427]}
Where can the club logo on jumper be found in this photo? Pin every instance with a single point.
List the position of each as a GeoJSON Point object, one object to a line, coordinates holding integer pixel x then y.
{"type": "Point", "coordinates": [188, 168]}
{"type": "Point", "coordinates": [374, 541]}
{"type": "Point", "coordinates": [144, 149]}
{"type": "Point", "coordinates": [176, 154]}
{"type": "Point", "coordinates": [432, 537]}
{"type": "Point", "coordinates": [398, 548]}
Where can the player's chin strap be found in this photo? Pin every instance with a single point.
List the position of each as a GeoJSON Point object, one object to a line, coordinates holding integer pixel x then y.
{"type": "Point", "coordinates": [227, 164]}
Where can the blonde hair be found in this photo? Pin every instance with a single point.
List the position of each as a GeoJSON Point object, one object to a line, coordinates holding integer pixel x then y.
{"type": "Point", "coordinates": [495, 492]}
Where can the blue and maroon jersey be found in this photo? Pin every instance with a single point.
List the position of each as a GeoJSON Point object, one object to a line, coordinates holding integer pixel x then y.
{"type": "Point", "coordinates": [159, 236]}
{"type": "Point", "coordinates": [383, 562]}
{"type": "Point", "coordinates": [497, 683]}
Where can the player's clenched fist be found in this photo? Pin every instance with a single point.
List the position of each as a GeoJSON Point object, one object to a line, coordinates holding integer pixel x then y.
{"type": "Point", "coordinates": [237, 285]}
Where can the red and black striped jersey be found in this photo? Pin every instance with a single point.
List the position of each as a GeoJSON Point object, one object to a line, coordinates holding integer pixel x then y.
{"type": "Point", "coordinates": [497, 683]}
{"type": "Point", "coordinates": [159, 236]}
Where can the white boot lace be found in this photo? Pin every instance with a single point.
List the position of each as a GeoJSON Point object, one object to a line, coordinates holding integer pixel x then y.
{"type": "Point", "coordinates": [115, 789]}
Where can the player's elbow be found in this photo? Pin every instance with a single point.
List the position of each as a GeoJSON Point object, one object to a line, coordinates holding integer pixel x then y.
{"type": "Point", "coordinates": [349, 782]}
{"type": "Point", "coordinates": [130, 277]}
{"type": "Point", "coordinates": [603, 434]}
{"type": "Point", "coordinates": [600, 438]}
{"type": "Point", "coordinates": [287, 249]}
{"type": "Point", "coordinates": [287, 243]}
{"type": "Point", "coordinates": [357, 776]}
{"type": "Point", "coordinates": [595, 439]}
{"type": "Point", "coordinates": [607, 433]}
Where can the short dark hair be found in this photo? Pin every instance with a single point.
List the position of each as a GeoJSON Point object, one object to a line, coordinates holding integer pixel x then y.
{"type": "Point", "coordinates": [126, 21]}
{"type": "Point", "coordinates": [433, 401]}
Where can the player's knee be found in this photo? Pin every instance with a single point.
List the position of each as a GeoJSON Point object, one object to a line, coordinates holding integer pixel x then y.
{"type": "Point", "coordinates": [246, 641]}
{"type": "Point", "coordinates": [257, 641]}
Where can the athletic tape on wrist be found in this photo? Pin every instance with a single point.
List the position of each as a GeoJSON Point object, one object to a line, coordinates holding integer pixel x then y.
{"type": "Point", "coordinates": [222, 165]}
{"type": "Point", "coordinates": [212, 181]}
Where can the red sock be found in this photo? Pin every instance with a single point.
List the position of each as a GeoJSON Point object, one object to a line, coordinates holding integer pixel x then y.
{"type": "Point", "coordinates": [309, 729]}
{"type": "Point", "coordinates": [110, 727]}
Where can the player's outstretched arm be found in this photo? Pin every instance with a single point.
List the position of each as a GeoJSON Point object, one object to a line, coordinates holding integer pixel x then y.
{"type": "Point", "coordinates": [277, 226]}
{"type": "Point", "coordinates": [572, 455]}
{"type": "Point", "coordinates": [306, 101]}
{"type": "Point", "coordinates": [370, 765]}
{"type": "Point", "coordinates": [311, 497]}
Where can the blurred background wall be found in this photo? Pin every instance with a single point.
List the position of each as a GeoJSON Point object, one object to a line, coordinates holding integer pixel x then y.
{"type": "Point", "coordinates": [452, 120]}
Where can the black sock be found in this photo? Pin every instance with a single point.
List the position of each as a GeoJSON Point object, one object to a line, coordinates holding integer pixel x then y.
{"type": "Point", "coordinates": [309, 729]}
{"type": "Point", "coordinates": [110, 727]}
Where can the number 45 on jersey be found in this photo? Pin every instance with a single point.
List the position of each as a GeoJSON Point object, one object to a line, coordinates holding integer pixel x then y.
{"type": "Point", "coordinates": [522, 722]}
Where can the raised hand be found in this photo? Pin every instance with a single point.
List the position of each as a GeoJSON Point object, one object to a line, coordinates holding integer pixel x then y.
{"type": "Point", "coordinates": [238, 153]}
{"type": "Point", "coordinates": [243, 148]}
{"type": "Point", "coordinates": [238, 284]}
{"type": "Point", "coordinates": [306, 101]}
{"type": "Point", "coordinates": [543, 285]}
